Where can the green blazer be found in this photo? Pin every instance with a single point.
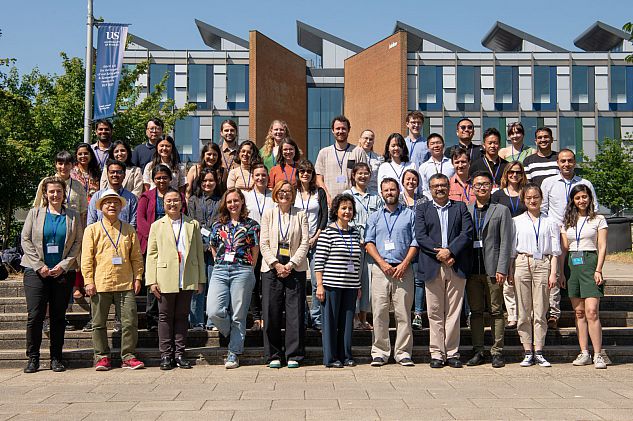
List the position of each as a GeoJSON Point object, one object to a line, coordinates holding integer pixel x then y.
{"type": "Point", "coordinates": [161, 266]}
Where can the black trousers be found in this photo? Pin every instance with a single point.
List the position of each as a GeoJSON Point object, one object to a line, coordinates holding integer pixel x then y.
{"type": "Point", "coordinates": [256, 297]}
{"type": "Point", "coordinates": [151, 309]}
{"type": "Point", "coordinates": [279, 295]}
{"type": "Point", "coordinates": [40, 293]}
{"type": "Point", "coordinates": [173, 323]}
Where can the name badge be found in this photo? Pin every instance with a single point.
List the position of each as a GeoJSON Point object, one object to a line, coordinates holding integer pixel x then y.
{"type": "Point", "coordinates": [284, 249]}
{"type": "Point", "coordinates": [478, 244]}
{"type": "Point", "coordinates": [537, 255]}
{"type": "Point", "coordinates": [52, 248]}
{"type": "Point", "coordinates": [341, 179]}
{"type": "Point", "coordinates": [205, 232]}
{"type": "Point", "coordinates": [229, 257]}
{"type": "Point", "coordinates": [117, 260]}
{"type": "Point", "coordinates": [350, 267]}
{"type": "Point", "coordinates": [389, 245]}
{"type": "Point", "coordinates": [577, 258]}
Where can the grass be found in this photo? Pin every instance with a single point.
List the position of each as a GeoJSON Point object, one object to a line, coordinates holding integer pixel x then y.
{"type": "Point", "coordinates": [620, 257]}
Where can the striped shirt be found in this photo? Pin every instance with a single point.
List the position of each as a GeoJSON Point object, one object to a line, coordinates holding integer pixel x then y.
{"type": "Point", "coordinates": [332, 257]}
{"type": "Point", "coordinates": [538, 168]}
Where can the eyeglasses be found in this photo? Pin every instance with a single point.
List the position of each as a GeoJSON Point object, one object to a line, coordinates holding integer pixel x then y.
{"type": "Point", "coordinates": [480, 186]}
{"type": "Point", "coordinates": [115, 172]}
{"type": "Point", "coordinates": [172, 202]}
{"type": "Point", "coordinates": [469, 127]}
{"type": "Point", "coordinates": [439, 187]}
{"type": "Point", "coordinates": [286, 192]}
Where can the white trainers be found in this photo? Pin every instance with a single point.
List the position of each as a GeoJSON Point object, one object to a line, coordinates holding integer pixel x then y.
{"type": "Point", "coordinates": [582, 359]}
{"type": "Point", "coordinates": [528, 360]}
{"type": "Point", "coordinates": [231, 361]}
{"type": "Point", "coordinates": [541, 361]}
{"type": "Point", "coordinates": [605, 357]}
{"type": "Point", "coordinates": [598, 361]}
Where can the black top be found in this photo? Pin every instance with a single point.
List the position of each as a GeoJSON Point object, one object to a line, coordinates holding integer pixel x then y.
{"type": "Point", "coordinates": [474, 151]}
{"type": "Point", "coordinates": [142, 154]}
{"type": "Point", "coordinates": [515, 204]}
{"type": "Point", "coordinates": [538, 168]}
{"type": "Point", "coordinates": [479, 216]}
{"type": "Point", "coordinates": [495, 169]}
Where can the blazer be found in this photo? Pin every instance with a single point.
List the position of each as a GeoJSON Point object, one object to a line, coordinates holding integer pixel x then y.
{"type": "Point", "coordinates": [161, 265]}
{"type": "Point", "coordinates": [428, 233]}
{"type": "Point", "coordinates": [297, 235]}
{"type": "Point", "coordinates": [33, 240]}
{"type": "Point", "coordinates": [497, 238]}
{"type": "Point", "coordinates": [146, 214]}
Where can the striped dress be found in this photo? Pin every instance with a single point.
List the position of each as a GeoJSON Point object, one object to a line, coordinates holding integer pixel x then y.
{"type": "Point", "coordinates": [332, 257]}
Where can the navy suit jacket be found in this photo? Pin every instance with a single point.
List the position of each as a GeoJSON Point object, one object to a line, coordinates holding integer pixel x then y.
{"type": "Point", "coordinates": [428, 233]}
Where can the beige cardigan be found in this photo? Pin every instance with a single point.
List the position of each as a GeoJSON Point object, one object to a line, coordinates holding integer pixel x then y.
{"type": "Point", "coordinates": [297, 235]}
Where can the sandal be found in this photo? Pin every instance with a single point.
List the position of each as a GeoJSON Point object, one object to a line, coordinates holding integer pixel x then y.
{"type": "Point", "coordinates": [367, 326]}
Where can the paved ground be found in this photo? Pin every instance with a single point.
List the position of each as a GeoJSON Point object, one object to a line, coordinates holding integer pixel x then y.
{"type": "Point", "coordinates": [364, 393]}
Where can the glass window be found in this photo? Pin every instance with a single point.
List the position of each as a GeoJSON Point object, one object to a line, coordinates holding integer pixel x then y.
{"type": "Point", "coordinates": [200, 85]}
{"type": "Point", "coordinates": [466, 84]}
{"type": "Point", "coordinates": [580, 84]}
{"type": "Point", "coordinates": [323, 105]}
{"type": "Point", "coordinates": [237, 85]}
{"type": "Point", "coordinates": [542, 86]}
{"type": "Point", "coordinates": [498, 123]}
{"type": "Point", "coordinates": [503, 84]}
{"type": "Point", "coordinates": [570, 135]}
{"type": "Point", "coordinates": [450, 130]}
{"type": "Point", "coordinates": [186, 136]}
{"type": "Point", "coordinates": [608, 127]}
{"type": "Point", "coordinates": [530, 124]}
{"type": "Point", "coordinates": [428, 84]}
{"type": "Point", "coordinates": [156, 74]}
{"type": "Point", "coordinates": [617, 91]}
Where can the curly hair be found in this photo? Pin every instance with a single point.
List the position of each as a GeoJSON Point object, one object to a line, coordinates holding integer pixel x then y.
{"type": "Point", "coordinates": [337, 202]}
{"type": "Point", "coordinates": [224, 216]}
{"type": "Point", "coordinates": [267, 149]}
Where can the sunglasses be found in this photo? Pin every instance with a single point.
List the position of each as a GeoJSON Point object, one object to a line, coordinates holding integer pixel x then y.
{"type": "Point", "coordinates": [466, 127]}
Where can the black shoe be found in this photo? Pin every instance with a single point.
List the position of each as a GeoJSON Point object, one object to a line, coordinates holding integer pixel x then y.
{"type": "Point", "coordinates": [406, 362]}
{"type": "Point", "coordinates": [435, 363]}
{"type": "Point", "coordinates": [182, 363]}
{"type": "Point", "coordinates": [165, 363]}
{"type": "Point", "coordinates": [377, 362]}
{"type": "Point", "coordinates": [350, 363]}
{"type": "Point", "coordinates": [153, 328]}
{"type": "Point", "coordinates": [57, 366]}
{"type": "Point", "coordinates": [33, 365]}
{"type": "Point", "coordinates": [454, 362]}
{"type": "Point", "coordinates": [497, 361]}
{"type": "Point", "coordinates": [477, 359]}
{"type": "Point", "coordinates": [69, 327]}
{"type": "Point", "coordinates": [335, 364]}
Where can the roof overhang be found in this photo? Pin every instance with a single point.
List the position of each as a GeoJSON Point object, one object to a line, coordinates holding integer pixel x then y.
{"type": "Point", "coordinates": [312, 38]}
{"type": "Point", "coordinates": [600, 37]}
{"type": "Point", "coordinates": [145, 43]}
{"type": "Point", "coordinates": [213, 36]}
{"type": "Point", "coordinates": [415, 38]}
{"type": "Point", "coordinates": [505, 38]}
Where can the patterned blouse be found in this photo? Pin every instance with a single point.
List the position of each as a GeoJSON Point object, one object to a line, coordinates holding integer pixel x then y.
{"type": "Point", "coordinates": [240, 239]}
{"type": "Point", "coordinates": [90, 185]}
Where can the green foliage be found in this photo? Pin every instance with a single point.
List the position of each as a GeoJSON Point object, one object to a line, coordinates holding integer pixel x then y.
{"type": "Point", "coordinates": [628, 28]}
{"type": "Point", "coordinates": [610, 173]}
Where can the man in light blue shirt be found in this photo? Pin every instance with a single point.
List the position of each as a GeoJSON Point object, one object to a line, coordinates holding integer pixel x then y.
{"type": "Point", "coordinates": [416, 143]}
{"type": "Point", "coordinates": [390, 241]}
{"type": "Point", "coordinates": [116, 174]}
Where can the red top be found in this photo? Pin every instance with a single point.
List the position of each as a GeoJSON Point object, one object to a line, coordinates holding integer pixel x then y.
{"type": "Point", "coordinates": [278, 174]}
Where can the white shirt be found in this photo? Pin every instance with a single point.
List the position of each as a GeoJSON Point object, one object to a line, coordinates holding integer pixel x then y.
{"type": "Point", "coordinates": [585, 232]}
{"type": "Point", "coordinates": [555, 195]}
{"type": "Point", "coordinates": [395, 171]}
{"type": "Point", "coordinates": [525, 232]}
{"type": "Point", "coordinates": [257, 203]}
{"type": "Point", "coordinates": [311, 208]}
{"type": "Point", "coordinates": [432, 167]}
{"type": "Point", "coordinates": [176, 226]}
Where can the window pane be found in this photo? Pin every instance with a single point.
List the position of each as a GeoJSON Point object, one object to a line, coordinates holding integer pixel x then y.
{"type": "Point", "coordinates": [236, 82]}
{"type": "Point", "coordinates": [618, 84]}
{"type": "Point", "coordinates": [314, 107]}
{"type": "Point", "coordinates": [217, 121]}
{"type": "Point", "coordinates": [466, 84]}
{"type": "Point", "coordinates": [186, 136]}
{"type": "Point", "coordinates": [608, 127]}
{"type": "Point", "coordinates": [197, 84]}
{"type": "Point", "coordinates": [156, 74]}
{"type": "Point", "coordinates": [529, 125]}
{"type": "Point", "coordinates": [503, 85]}
{"type": "Point", "coordinates": [542, 85]}
{"type": "Point", "coordinates": [428, 84]}
{"type": "Point", "coordinates": [570, 135]}
{"type": "Point", "coordinates": [450, 130]}
{"type": "Point", "coordinates": [580, 84]}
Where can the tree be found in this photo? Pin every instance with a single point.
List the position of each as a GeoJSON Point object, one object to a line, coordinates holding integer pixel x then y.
{"type": "Point", "coordinates": [610, 173]}
{"type": "Point", "coordinates": [628, 28]}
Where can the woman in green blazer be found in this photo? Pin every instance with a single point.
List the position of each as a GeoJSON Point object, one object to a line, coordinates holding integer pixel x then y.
{"type": "Point", "coordinates": [175, 270]}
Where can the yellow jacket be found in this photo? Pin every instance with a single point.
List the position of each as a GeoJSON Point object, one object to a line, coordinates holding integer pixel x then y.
{"type": "Point", "coordinates": [161, 265]}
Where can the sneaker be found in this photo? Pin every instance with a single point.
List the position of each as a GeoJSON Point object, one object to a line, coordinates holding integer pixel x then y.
{"type": "Point", "coordinates": [46, 326]}
{"type": "Point", "coordinates": [528, 360]}
{"type": "Point", "coordinates": [416, 324]}
{"type": "Point", "coordinates": [132, 364]}
{"type": "Point", "coordinates": [598, 361]}
{"type": "Point", "coordinates": [198, 328]}
{"type": "Point", "coordinates": [69, 327]}
{"type": "Point", "coordinates": [117, 326]}
{"type": "Point", "coordinates": [103, 364]}
{"type": "Point", "coordinates": [582, 359]}
{"type": "Point", "coordinates": [605, 357]}
{"type": "Point", "coordinates": [541, 361]}
{"type": "Point", "coordinates": [88, 327]}
{"type": "Point", "coordinates": [293, 364]}
{"type": "Point", "coordinates": [377, 362]}
{"type": "Point", "coordinates": [274, 364]}
{"type": "Point", "coordinates": [231, 361]}
{"type": "Point", "coordinates": [406, 362]}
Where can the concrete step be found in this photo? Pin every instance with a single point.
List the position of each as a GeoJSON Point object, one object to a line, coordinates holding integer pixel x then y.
{"type": "Point", "coordinates": [18, 305]}
{"type": "Point", "coordinates": [83, 358]}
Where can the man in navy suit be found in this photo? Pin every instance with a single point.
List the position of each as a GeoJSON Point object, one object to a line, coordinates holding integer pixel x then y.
{"type": "Point", "coordinates": [444, 232]}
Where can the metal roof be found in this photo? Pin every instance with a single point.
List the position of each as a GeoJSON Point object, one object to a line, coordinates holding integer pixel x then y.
{"type": "Point", "coordinates": [312, 38]}
{"type": "Point", "coordinates": [213, 36]}
{"type": "Point", "coordinates": [600, 37]}
{"type": "Point", "coordinates": [145, 43]}
{"type": "Point", "coordinates": [416, 36]}
{"type": "Point", "coordinates": [505, 38]}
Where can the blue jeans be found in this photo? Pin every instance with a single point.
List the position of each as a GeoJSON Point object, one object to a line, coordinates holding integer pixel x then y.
{"type": "Point", "coordinates": [228, 299]}
{"type": "Point", "coordinates": [420, 299]}
{"type": "Point", "coordinates": [338, 324]}
{"type": "Point", "coordinates": [316, 308]}
{"type": "Point", "coordinates": [199, 303]}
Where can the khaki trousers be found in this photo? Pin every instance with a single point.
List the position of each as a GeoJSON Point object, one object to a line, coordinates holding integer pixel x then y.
{"type": "Point", "coordinates": [485, 294]}
{"type": "Point", "coordinates": [530, 280]}
{"type": "Point", "coordinates": [384, 290]}
{"type": "Point", "coordinates": [444, 300]}
{"type": "Point", "coordinates": [509, 298]}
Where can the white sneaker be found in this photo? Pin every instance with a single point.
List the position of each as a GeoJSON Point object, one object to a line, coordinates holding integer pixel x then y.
{"type": "Point", "coordinates": [605, 357]}
{"type": "Point", "coordinates": [598, 361]}
{"type": "Point", "coordinates": [541, 361]}
{"type": "Point", "coordinates": [528, 360]}
{"type": "Point", "coordinates": [231, 361]}
{"type": "Point", "coordinates": [582, 359]}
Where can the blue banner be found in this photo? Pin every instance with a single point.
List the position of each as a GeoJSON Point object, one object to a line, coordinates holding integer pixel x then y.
{"type": "Point", "coordinates": [110, 50]}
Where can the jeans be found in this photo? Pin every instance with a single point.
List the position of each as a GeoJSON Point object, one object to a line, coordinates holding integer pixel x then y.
{"type": "Point", "coordinates": [199, 303]}
{"type": "Point", "coordinates": [419, 292]}
{"type": "Point", "coordinates": [125, 303]}
{"type": "Point", "coordinates": [229, 296]}
{"type": "Point", "coordinates": [316, 309]}
{"type": "Point", "coordinates": [40, 293]}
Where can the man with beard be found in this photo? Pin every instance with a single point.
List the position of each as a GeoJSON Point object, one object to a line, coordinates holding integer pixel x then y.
{"type": "Point", "coordinates": [103, 129]}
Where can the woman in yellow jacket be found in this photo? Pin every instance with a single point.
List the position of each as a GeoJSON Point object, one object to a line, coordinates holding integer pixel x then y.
{"type": "Point", "coordinates": [175, 270]}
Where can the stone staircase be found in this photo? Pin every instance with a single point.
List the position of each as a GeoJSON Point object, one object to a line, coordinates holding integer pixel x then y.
{"type": "Point", "coordinates": [210, 347]}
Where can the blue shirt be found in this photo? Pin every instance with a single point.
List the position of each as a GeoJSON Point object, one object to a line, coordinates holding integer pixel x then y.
{"type": "Point", "coordinates": [365, 205]}
{"type": "Point", "coordinates": [54, 232]}
{"type": "Point", "coordinates": [418, 150]}
{"type": "Point", "coordinates": [442, 213]}
{"type": "Point", "coordinates": [128, 213]}
{"type": "Point", "coordinates": [401, 224]}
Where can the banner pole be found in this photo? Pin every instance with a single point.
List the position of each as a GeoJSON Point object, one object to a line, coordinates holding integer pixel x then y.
{"type": "Point", "coordinates": [88, 86]}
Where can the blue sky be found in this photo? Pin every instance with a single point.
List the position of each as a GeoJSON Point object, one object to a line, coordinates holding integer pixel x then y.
{"type": "Point", "coordinates": [35, 32]}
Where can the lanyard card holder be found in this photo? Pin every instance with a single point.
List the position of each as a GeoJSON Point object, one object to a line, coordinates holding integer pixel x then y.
{"type": "Point", "coordinates": [283, 253]}
{"type": "Point", "coordinates": [577, 258]}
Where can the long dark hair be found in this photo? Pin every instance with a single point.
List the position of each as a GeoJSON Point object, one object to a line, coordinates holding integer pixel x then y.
{"type": "Point", "coordinates": [571, 211]}
{"type": "Point", "coordinates": [304, 164]}
{"type": "Point", "coordinates": [254, 153]}
{"type": "Point", "coordinates": [128, 160]}
{"type": "Point", "coordinates": [93, 165]}
{"type": "Point", "coordinates": [280, 157]}
{"type": "Point", "coordinates": [224, 216]}
{"type": "Point", "coordinates": [404, 157]}
{"type": "Point", "coordinates": [206, 149]}
{"type": "Point", "coordinates": [175, 157]}
{"type": "Point", "coordinates": [198, 182]}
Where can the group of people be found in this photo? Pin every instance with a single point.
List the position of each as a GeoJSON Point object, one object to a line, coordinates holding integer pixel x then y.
{"type": "Point", "coordinates": [459, 230]}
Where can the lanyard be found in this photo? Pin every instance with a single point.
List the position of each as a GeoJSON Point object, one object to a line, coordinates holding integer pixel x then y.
{"type": "Point", "coordinates": [260, 210]}
{"type": "Point", "coordinates": [536, 230]}
{"type": "Point", "coordinates": [70, 189]}
{"type": "Point", "coordinates": [467, 190]}
{"type": "Point", "coordinates": [441, 165]}
{"type": "Point", "coordinates": [226, 161]}
{"type": "Point", "coordinates": [292, 173]}
{"type": "Point", "coordinates": [351, 242]}
{"type": "Point", "coordinates": [496, 173]}
{"type": "Point", "coordinates": [247, 186]}
{"type": "Point", "coordinates": [512, 205]}
{"type": "Point", "coordinates": [361, 202]}
{"type": "Point", "coordinates": [307, 204]}
{"type": "Point", "coordinates": [414, 143]}
{"type": "Point", "coordinates": [520, 152]}
{"type": "Point", "coordinates": [115, 245]}
{"type": "Point", "coordinates": [580, 232]}
{"type": "Point", "coordinates": [105, 156]}
{"type": "Point", "coordinates": [281, 230]}
{"type": "Point", "coordinates": [398, 176]}
{"type": "Point", "coordinates": [340, 163]}
{"type": "Point", "coordinates": [479, 222]}
{"type": "Point", "coordinates": [55, 225]}
{"type": "Point", "coordinates": [390, 230]}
